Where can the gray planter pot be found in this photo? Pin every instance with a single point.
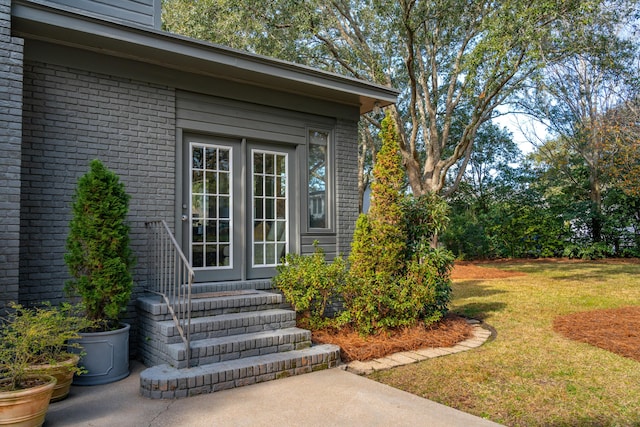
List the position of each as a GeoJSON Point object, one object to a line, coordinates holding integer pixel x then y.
{"type": "Point", "coordinates": [106, 356]}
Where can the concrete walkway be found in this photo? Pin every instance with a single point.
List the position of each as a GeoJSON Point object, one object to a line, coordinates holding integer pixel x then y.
{"type": "Point", "coordinates": [326, 398]}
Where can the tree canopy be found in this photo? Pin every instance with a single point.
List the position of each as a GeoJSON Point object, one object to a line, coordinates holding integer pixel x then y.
{"type": "Point", "coordinates": [454, 61]}
{"type": "Point", "coordinates": [571, 65]}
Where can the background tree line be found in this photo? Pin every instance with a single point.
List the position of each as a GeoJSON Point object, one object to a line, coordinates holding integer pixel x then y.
{"type": "Point", "coordinates": [570, 65]}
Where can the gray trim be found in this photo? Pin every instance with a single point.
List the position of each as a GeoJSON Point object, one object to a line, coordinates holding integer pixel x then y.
{"type": "Point", "coordinates": [44, 22]}
{"type": "Point", "coordinates": [201, 85]}
{"type": "Point", "coordinates": [179, 196]}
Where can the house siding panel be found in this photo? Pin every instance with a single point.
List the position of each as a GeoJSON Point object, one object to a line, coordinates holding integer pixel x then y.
{"type": "Point", "coordinates": [11, 63]}
{"type": "Point", "coordinates": [70, 117]}
{"type": "Point", "coordinates": [140, 12]}
{"type": "Point", "coordinates": [202, 113]}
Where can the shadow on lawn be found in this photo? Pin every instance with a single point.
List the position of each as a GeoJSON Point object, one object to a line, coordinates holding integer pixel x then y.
{"type": "Point", "coordinates": [477, 290]}
{"type": "Point", "coordinates": [478, 310]}
{"type": "Point", "coordinates": [474, 289]}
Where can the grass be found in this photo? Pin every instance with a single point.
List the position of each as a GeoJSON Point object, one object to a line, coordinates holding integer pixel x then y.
{"type": "Point", "coordinates": [529, 375]}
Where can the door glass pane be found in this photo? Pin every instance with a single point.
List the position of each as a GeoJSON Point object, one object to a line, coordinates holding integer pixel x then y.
{"type": "Point", "coordinates": [197, 206]}
{"type": "Point", "coordinates": [281, 251]}
{"type": "Point", "coordinates": [197, 230]}
{"type": "Point", "coordinates": [269, 186]}
{"type": "Point", "coordinates": [258, 254]}
{"type": "Point", "coordinates": [281, 165]}
{"type": "Point", "coordinates": [224, 156]}
{"type": "Point", "coordinates": [211, 258]}
{"type": "Point", "coordinates": [268, 163]}
{"type": "Point", "coordinates": [212, 183]}
{"type": "Point", "coordinates": [281, 212]}
{"type": "Point", "coordinates": [224, 207]}
{"type": "Point", "coordinates": [258, 231]}
{"type": "Point", "coordinates": [270, 231]}
{"type": "Point", "coordinates": [258, 211]}
{"type": "Point", "coordinates": [197, 183]}
{"type": "Point", "coordinates": [258, 162]}
{"type": "Point", "coordinates": [270, 208]}
{"type": "Point", "coordinates": [270, 253]}
{"type": "Point", "coordinates": [224, 255]}
{"type": "Point", "coordinates": [223, 231]}
{"type": "Point", "coordinates": [224, 183]}
{"type": "Point", "coordinates": [281, 185]}
{"type": "Point", "coordinates": [258, 186]}
{"type": "Point", "coordinates": [212, 158]}
{"type": "Point", "coordinates": [211, 206]}
{"type": "Point", "coordinates": [211, 231]}
{"type": "Point", "coordinates": [196, 162]}
{"type": "Point", "coordinates": [197, 256]}
{"type": "Point", "coordinates": [269, 199]}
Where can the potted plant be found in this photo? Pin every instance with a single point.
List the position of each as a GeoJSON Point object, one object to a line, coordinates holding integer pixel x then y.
{"type": "Point", "coordinates": [100, 261]}
{"type": "Point", "coordinates": [49, 344]}
{"type": "Point", "coordinates": [24, 396]}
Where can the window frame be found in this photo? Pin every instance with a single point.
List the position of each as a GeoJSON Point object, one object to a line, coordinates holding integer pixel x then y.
{"type": "Point", "coordinates": [330, 182]}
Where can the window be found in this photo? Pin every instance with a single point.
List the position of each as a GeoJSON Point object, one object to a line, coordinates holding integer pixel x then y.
{"type": "Point", "coordinates": [318, 150]}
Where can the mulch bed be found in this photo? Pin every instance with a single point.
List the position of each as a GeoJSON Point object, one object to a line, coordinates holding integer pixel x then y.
{"type": "Point", "coordinates": [616, 330]}
{"type": "Point", "coordinates": [445, 333]}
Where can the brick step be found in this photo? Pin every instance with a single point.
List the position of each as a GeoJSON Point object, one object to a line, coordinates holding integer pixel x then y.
{"type": "Point", "coordinates": [166, 382]}
{"type": "Point", "coordinates": [213, 350]}
{"type": "Point", "coordinates": [228, 324]}
{"type": "Point", "coordinates": [260, 284]}
{"type": "Point", "coordinates": [213, 303]}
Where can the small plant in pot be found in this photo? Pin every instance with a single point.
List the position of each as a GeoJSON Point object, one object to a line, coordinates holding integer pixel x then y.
{"type": "Point", "coordinates": [24, 395]}
{"type": "Point", "coordinates": [49, 341]}
{"type": "Point", "coordinates": [100, 262]}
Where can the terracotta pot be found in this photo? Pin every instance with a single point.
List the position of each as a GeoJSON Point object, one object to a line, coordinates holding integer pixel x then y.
{"type": "Point", "coordinates": [28, 407]}
{"type": "Point", "coordinates": [63, 372]}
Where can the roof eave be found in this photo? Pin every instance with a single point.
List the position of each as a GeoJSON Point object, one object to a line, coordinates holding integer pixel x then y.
{"type": "Point", "coordinates": [54, 24]}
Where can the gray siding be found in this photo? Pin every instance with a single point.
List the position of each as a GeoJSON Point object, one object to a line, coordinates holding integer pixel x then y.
{"type": "Point", "coordinates": [140, 12]}
{"type": "Point", "coordinates": [71, 117]}
{"type": "Point", "coordinates": [226, 117]}
{"type": "Point", "coordinates": [11, 62]}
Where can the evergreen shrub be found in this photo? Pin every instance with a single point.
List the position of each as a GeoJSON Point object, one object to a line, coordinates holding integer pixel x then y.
{"type": "Point", "coordinates": [98, 254]}
{"type": "Point", "coordinates": [310, 284]}
{"type": "Point", "coordinates": [394, 278]}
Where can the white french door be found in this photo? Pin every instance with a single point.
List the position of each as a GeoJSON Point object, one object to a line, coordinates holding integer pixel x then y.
{"type": "Point", "coordinates": [238, 204]}
{"type": "Point", "coordinates": [270, 237]}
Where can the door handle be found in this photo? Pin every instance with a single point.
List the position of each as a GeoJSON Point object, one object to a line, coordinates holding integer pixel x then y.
{"type": "Point", "coordinates": [185, 217]}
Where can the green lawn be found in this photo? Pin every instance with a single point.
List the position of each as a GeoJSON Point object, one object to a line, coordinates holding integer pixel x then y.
{"type": "Point", "coordinates": [529, 375]}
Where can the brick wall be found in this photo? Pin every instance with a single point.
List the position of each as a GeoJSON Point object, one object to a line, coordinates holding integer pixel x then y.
{"type": "Point", "coordinates": [346, 182]}
{"type": "Point", "coordinates": [11, 58]}
{"type": "Point", "coordinates": [70, 117]}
